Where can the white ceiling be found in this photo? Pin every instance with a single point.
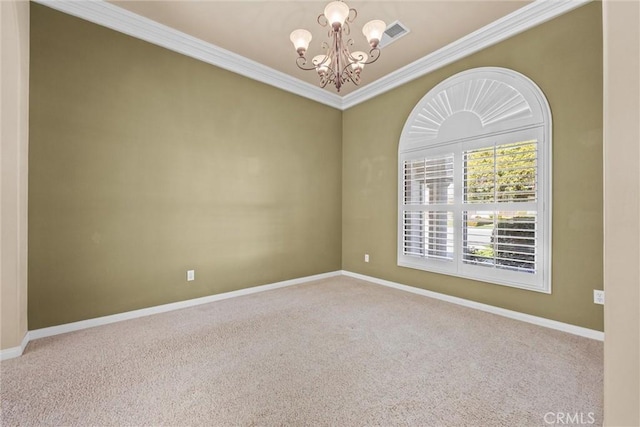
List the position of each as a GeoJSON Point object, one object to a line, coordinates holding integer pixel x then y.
{"type": "Point", "coordinates": [259, 30]}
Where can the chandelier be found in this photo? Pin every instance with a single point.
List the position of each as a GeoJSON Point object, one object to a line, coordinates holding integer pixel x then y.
{"type": "Point", "coordinates": [338, 65]}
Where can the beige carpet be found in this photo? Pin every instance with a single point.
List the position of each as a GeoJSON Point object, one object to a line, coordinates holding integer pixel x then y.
{"type": "Point", "coordinates": [336, 352]}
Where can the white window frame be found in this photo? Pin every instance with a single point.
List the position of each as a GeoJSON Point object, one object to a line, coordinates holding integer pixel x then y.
{"type": "Point", "coordinates": [440, 124]}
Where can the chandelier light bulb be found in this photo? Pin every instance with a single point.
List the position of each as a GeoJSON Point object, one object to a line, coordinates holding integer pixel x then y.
{"type": "Point", "coordinates": [300, 39]}
{"type": "Point", "coordinates": [373, 30]}
{"type": "Point", "coordinates": [336, 13]}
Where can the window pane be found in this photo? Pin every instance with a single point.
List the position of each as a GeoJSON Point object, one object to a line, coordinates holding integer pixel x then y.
{"type": "Point", "coordinates": [516, 166]}
{"type": "Point", "coordinates": [502, 173]}
{"type": "Point", "coordinates": [428, 181]}
{"type": "Point", "coordinates": [479, 175]}
{"type": "Point", "coordinates": [477, 237]}
{"type": "Point", "coordinates": [428, 234]}
{"type": "Point", "coordinates": [500, 239]}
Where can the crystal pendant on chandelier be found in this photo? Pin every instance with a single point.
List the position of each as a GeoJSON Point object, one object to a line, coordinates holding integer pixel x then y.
{"type": "Point", "coordinates": [338, 65]}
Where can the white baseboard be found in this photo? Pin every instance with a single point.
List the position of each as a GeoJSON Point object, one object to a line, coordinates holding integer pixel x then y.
{"type": "Point", "coordinates": [13, 352]}
{"type": "Point", "coordinates": [540, 321]}
{"type": "Point", "coordinates": [105, 320]}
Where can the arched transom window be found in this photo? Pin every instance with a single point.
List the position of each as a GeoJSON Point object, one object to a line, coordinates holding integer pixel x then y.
{"type": "Point", "coordinates": [475, 181]}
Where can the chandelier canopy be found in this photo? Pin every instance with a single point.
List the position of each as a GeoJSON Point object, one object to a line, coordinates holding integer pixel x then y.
{"type": "Point", "coordinates": [338, 64]}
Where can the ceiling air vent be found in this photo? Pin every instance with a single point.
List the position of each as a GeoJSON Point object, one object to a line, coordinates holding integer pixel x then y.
{"type": "Point", "coordinates": [393, 32]}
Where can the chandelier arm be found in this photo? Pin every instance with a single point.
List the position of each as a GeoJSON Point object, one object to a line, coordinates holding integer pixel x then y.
{"type": "Point", "coordinates": [331, 73]}
{"type": "Point", "coordinates": [374, 54]}
{"type": "Point", "coordinates": [355, 15]}
{"type": "Point", "coordinates": [348, 57]}
{"type": "Point", "coordinates": [322, 18]}
{"type": "Point", "coordinates": [353, 58]}
{"type": "Point", "coordinates": [346, 28]}
{"type": "Point", "coordinates": [327, 64]}
{"type": "Point", "coordinates": [351, 76]}
{"type": "Point", "coordinates": [301, 62]}
{"type": "Point", "coordinates": [323, 82]}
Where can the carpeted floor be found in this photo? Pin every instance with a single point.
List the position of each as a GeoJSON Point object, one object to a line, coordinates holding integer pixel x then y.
{"type": "Point", "coordinates": [339, 352]}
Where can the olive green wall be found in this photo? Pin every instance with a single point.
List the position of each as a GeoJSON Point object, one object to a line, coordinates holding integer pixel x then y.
{"type": "Point", "coordinates": [564, 57]}
{"type": "Point", "coordinates": [144, 163]}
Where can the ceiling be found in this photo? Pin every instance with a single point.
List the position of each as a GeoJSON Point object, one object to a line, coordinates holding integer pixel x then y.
{"type": "Point", "coordinates": [259, 30]}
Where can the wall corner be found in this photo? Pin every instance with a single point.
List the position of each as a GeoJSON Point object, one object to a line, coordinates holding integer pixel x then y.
{"type": "Point", "coordinates": [14, 152]}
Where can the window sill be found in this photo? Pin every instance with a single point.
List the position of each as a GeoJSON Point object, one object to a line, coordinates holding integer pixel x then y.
{"type": "Point", "coordinates": [417, 265]}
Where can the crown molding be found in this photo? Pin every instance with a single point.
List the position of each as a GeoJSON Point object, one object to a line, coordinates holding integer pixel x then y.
{"type": "Point", "coordinates": [516, 22]}
{"type": "Point", "coordinates": [108, 15]}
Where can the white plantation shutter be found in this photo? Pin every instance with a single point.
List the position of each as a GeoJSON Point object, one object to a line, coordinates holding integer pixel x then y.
{"type": "Point", "coordinates": [474, 188]}
{"type": "Point", "coordinates": [504, 173]}
{"type": "Point", "coordinates": [502, 178]}
{"type": "Point", "coordinates": [427, 234]}
{"type": "Point", "coordinates": [511, 244]}
{"type": "Point", "coordinates": [427, 215]}
{"type": "Point", "coordinates": [429, 181]}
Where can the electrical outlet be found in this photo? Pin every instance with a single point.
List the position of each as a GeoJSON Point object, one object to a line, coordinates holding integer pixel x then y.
{"type": "Point", "coordinates": [366, 257]}
{"type": "Point", "coordinates": [598, 297]}
{"type": "Point", "coordinates": [191, 275]}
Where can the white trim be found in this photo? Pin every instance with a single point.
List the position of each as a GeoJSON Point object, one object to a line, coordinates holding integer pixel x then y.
{"type": "Point", "coordinates": [106, 14]}
{"type": "Point", "coordinates": [105, 320]}
{"type": "Point", "coordinates": [535, 320]}
{"type": "Point", "coordinates": [522, 19]}
{"type": "Point", "coordinates": [111, 16]}
{"type": "Point", "coordinates": [13, 352]}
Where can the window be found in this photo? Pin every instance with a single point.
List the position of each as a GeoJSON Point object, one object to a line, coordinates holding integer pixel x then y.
{"type": "Point", "coordinates": [474, 181]}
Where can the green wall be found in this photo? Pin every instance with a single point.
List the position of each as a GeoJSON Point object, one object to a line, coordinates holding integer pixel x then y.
{"type": "Point", "coordinates": [564, 57]}
{"type": "Point", "coordinates": [144, 163]}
